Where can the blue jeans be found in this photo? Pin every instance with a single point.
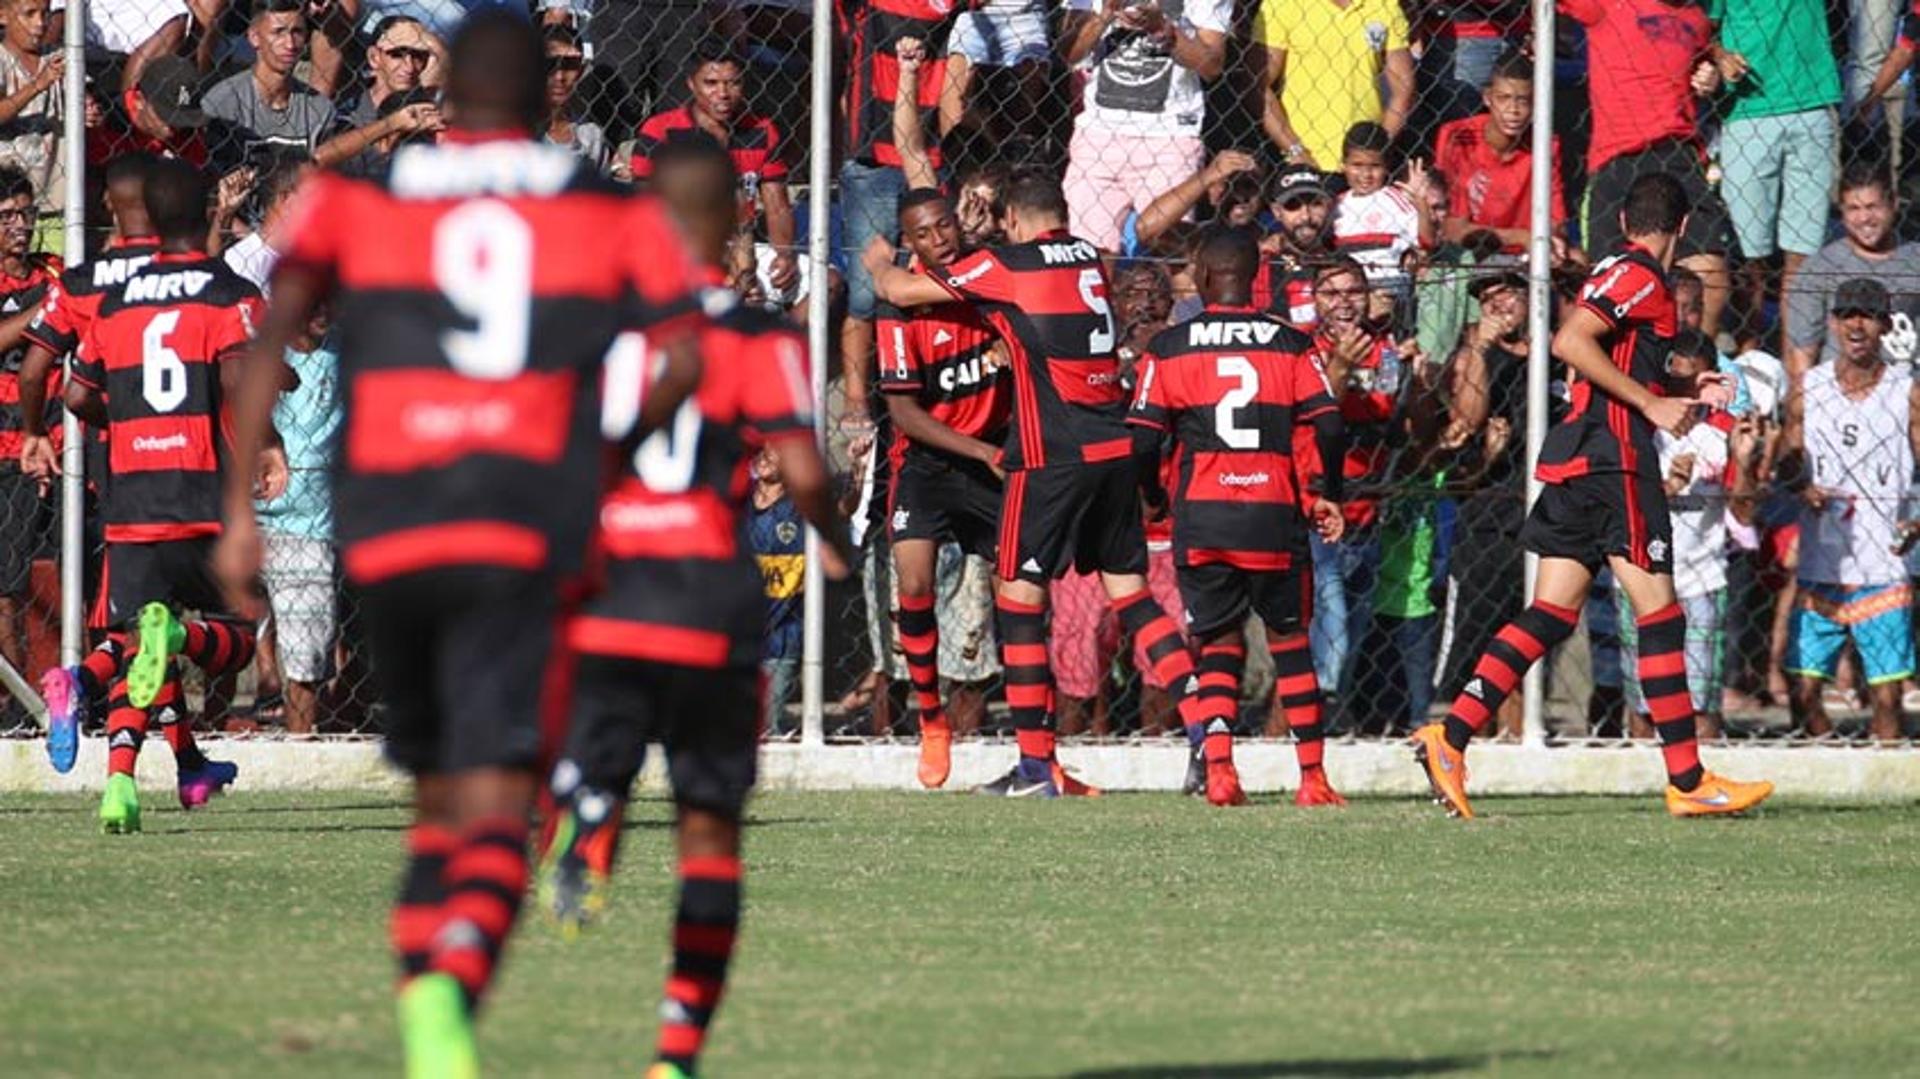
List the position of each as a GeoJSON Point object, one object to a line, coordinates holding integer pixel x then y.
{"type": "Point", "coordinates": [1343, 578]}
{"type": "Point", "coordinates": [1393, 674]}
{"type": "Point", "coordinates": [779, 678]}
{"type": "Point", "coordinates": [869, 207]}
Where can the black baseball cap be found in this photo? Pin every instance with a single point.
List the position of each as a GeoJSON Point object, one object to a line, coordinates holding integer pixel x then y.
{"type": "Point", "coordinates": [1862, 296]}
{"type": "Point", "coordinates": [1296, 180]}
{"type": "Point", "coordinates": [171, 87]}
{"type": "Point", "coordinates": [1500, 271]}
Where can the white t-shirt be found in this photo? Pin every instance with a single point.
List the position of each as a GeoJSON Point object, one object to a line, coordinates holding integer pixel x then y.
{"type": "Point", "coordinates": [1377, 230]}
{"type": "Point", "coordinates": [251, 258]}
{"type": "Point", "coordinates": [1133, 85]}
{"type": "Point", "coordinates": [1859, 452]}
{"type": "Point", "coordinates": [1699, 511]}
{"type": "Point", "coordinates": [124, 25]}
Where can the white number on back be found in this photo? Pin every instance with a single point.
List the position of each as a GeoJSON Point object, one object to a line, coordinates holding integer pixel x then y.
{"type": "Point", "coordinates": [163, 375]}
{"type": "Point", "coordinates": [483, 263]}
{"type": "Point", "coordinates": [1099, 342]}
{"type": "Point", "coordinates": [1240, 369]}
{"type": "Point", "coordinates": [664, 459]}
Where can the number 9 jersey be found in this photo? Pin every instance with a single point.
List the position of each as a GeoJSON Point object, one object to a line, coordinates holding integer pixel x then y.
{"type": "Point", "coordinates": [478, 285]}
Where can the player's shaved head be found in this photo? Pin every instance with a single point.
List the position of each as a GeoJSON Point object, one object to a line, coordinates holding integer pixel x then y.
{"type": "Point", "coordinates": [693, 174]}
{"type": "Point", "coordinates": [125, 179]}
{"type": "Point", "coordinates": [496, 72]}
{"type": "Point", "coordinates": [1225, 262]}
{"type": "Point", "coordinates": [176, 196]}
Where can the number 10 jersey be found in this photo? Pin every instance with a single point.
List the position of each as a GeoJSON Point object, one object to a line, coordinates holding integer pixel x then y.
{"type": "Point", "coordinates": [479, 284]}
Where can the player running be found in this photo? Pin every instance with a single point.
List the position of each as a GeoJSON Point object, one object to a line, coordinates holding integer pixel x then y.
{"type": "Point", "coordinates": [1604, 505]}
{"type": "Point", "coordinates": [57, 330]}
{"type": "Point", "coordinates": [477, 286]}
{"type": "Point", "coordinates": [669, 650]}
{"type": "Point", "coordinates": [949, 400]}
{"type": "Point", "coordinates": [1072, 496]}
{"type": "Point", "coordinates": [1232, 387]}
{"type": "Point", "coordinates": [155, 368]}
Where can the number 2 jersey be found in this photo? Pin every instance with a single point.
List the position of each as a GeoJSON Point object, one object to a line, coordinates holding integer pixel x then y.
{"type": "Point", "coordinates": [1048, 300]}
{"type": "Point", "coordinates": [478, 286]}
{"type": "Point", "coordinates": [154, 349]}
{"type": "Point", "coordinates": [1232, 386]}
{"type": "Point", "coordinates": [1600, 433]}
{"type": "Point", "coordinates": [680, 583]}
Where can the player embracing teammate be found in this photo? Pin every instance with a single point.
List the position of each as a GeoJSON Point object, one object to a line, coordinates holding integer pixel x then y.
{"type": "Point", "coordinates": [1604, 506]}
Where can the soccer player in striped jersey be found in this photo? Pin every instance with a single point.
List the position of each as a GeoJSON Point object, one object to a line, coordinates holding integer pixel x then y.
{"type": "Point", "coordinates": [1231, 387]}
{"type": "Point", "coordinates": [1605, 507]}
{"type": "Point", "coordinates": [668, 651]}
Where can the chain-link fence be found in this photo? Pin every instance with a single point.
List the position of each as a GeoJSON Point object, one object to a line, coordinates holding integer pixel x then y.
{"type": "Point", "coordinates": [1784, 119]}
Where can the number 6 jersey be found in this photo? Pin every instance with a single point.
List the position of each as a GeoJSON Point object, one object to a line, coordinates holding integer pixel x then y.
{"type": "Point", "coordinates": [479, 283]}
{"type": "Point", "coordinates": [154, 351]}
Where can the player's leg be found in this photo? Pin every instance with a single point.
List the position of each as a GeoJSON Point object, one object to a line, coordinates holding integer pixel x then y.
{"type": "Point", "coordinates": [712, 765]}
{"type": "Point", "coordinates": [614, 706]}
{"type": "Point", "coordinates": [1216, 601]}
{"type": "Point", "coordinates": [913, 566]}
{"type": "Point", "coordinates": [71, 694]}
{"type": "Point", "coordinates": [1284, 601]}
{"type": "Point", "coordinates": [1031, 553]}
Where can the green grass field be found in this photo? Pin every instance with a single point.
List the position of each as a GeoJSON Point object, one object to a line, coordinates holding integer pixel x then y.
{"type": "Point", "coordinates": [1127, 938]}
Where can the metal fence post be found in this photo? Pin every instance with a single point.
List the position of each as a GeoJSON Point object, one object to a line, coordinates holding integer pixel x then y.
{"type": "Point", "coordinates": [73, 457]}
{"type": "Point", "coordinates": [1540, 323]}
{"type": "Point", "coordinates": [819, 184]}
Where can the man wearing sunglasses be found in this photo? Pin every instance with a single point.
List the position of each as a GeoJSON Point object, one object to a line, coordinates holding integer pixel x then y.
{"type": "Point", "coordinates": [403, 58]}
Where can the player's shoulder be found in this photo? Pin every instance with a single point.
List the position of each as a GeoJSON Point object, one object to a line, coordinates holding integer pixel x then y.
{"type": "Point", "coordinates": [1218, 328]}
{"type": "Point", "coordinates": [502, 169]}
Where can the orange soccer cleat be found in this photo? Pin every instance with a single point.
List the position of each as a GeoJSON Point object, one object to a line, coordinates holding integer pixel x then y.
{"type": "Point", "coordinates": [1223, 784]}
{"type": "Point", "coordinates": [1069, 787]}
{"type": "Point", "coordinates": [936, 755]}
{"type": "Point", "coordinates": [1716, 796]}
{"type": "Point", "coordinates": [1446, 769]}
{"type": "Point", "coordinates": [1316, 791]}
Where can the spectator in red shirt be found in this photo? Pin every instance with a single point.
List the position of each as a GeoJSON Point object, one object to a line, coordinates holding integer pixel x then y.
{"type": "Point", "coordinates": [1647, 63]}
{"type": "Point", "coordinates": [1488, 160]}
{"type": "Point", "coordinates": [165, 114]}
{"type": "Point", "coordinates": [718, 106]}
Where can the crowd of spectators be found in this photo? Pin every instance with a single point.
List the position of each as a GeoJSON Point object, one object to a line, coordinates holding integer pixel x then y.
{"type": "Point", "coordinates": [1383, 150]}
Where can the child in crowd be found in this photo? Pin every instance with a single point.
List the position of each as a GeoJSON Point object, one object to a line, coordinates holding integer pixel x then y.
{"type": "Point", "coordinates": [779, 545]}
{"type": "Point", "coordinates": [1378, 223]}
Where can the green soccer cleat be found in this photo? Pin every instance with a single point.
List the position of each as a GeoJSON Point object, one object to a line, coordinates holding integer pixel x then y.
{"type": "Point", "coordinates": [120, 806]}
{"type": "Point", "coordinates": [161, 638]}
{"type": "Point", "coordinates": [569, 888]}
{"type": "Point", "coordinates": [437, 1030]}
{"type": "Point", "coordinates": [663, 1070]}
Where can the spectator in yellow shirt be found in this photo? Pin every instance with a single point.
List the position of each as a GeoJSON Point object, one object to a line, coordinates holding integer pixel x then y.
{"type": "Point", "coordinates": [1324, 62]}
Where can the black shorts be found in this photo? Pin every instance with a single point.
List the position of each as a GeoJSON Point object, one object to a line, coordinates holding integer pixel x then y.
{"type": "Point", "coordinates": [1064, 517]}
{"type": "Point", "coordinates": [1218, 597]}
{"type": "Point", "coordinates": [1593, 518]}
{"type": "Point", "coordinates": [1709, 227]}
{"type": "Point", "coordinates": [707, 719]}
{"type": "Point", "coordinates": [26, 523]}
{"type": "Point", "coordinates": [178, 573]}
{"type": "Point", "coordinates": [940, 499]}
{"type": "Point", "coordinates": [462, 658]}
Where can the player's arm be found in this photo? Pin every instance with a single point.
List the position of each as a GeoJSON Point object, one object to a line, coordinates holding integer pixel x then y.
{"type": "Point", "coordinates": [1579, 343]}
{"type": "Point", "coordinates": [919, 425]}
{"type": "Point", "coordinates": [897, 285]}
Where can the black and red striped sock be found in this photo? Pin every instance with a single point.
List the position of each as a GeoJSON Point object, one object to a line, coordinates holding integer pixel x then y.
{"type": "Point", "coordinates": [1159, 638]}
{"type": "Point", "coordinates": [1217, 700]}
{"type": "Point", "coordinates": [920, 641]}
{"type": "Point", "coordinates": [1518, 646]}
{"type": "Point", "coordinates": [126, 729]}
{"type": "Point", "coordinates": [418, 910]}
{"type": "Point", "coordinates": [486, 878]}
{"type": "Point", "coordinates": [1029, 681]}
{"type": "Point", "coordinates": [704, 929]}
{"type": "Point", "coordinates": [219, 647]}
{"type": "Point", "coordinates": [106, 662]}
{"type": "Point", "coordinates": [1296, 689]}
{"type": "Point", "coordinates": [169, 711]}
{"type": "Point", "coordinates": [1663, 684]}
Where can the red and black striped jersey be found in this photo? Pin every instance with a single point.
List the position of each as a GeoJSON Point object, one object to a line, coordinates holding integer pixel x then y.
{"type": "Point", "coordinates": [72, 301]}
{"type": "Point", "coordinates": [1048, 300]}
{"type": "Point", "coordinates": [940, 355]}
{"type": "Point", "coordinates": [1368, 404]}
{"type": "Point", "coordinates": [154, 350]}
{"type": "Point", "coordinates": [681, 583]}
{"type": "Point", "coordinates": [875, 28]}
{"type": "Point", "coordinates": [1629, 292]}
{"type": "Point", "coordinates": [478, 285]}
{"type": "Point", "coordinates": [1233, 387]}
{"type": "Point", "coordinates": [753, 142]}
{"type": "Point", "coordinates": [1284, 288]}
{"type": "Point", "coordinates": [16, 295]}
